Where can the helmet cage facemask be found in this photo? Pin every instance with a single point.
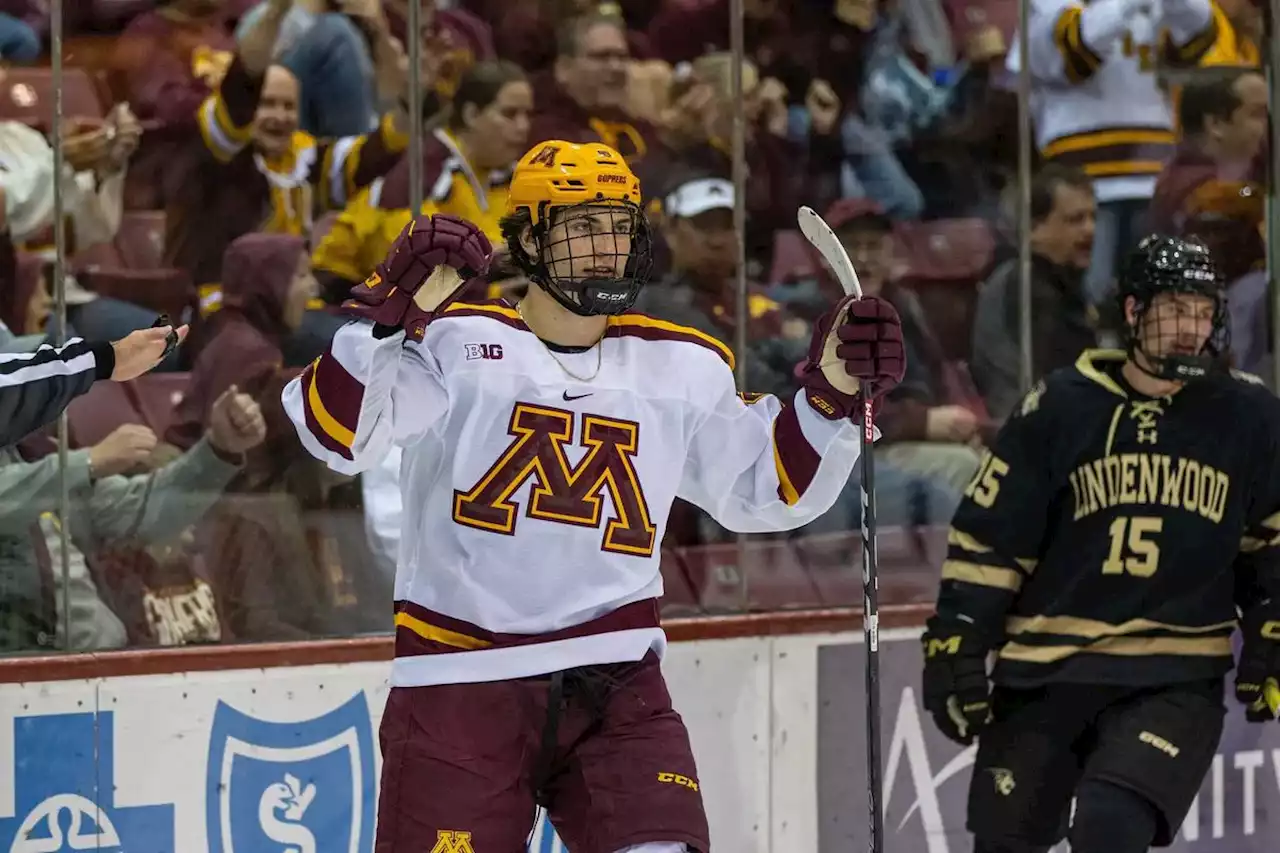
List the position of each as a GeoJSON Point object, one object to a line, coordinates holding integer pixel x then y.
{"type": "Point", "coordinates": [1178, 367]}
{"type": "Point", "coordinates": [589, 296]}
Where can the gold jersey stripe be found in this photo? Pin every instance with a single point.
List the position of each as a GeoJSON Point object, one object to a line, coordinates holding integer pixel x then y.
{"type": "Point", "coordinates": [1123, 647]}
{"type": "Point", "coordinates": [976, 573]}
{"type": "Point", "coordinates": [1074, 626]}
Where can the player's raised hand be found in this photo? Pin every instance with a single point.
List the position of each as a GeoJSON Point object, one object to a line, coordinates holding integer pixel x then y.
{"type": "Point", "coordinates": [857, 345]}
{"type": "Point", "coordinates": [1258, 673]}
{"type": "Point", "coordinates": [956, 691]}
{"type": "Point", "coordinates": [428, 266]}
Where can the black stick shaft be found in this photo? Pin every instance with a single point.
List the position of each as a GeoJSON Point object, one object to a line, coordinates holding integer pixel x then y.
{"type": "Point", "coordinates": [871, 627]}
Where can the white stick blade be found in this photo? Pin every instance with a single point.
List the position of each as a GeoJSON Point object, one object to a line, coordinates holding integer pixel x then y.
{"type": "Point", "coordinates": [819, 234]}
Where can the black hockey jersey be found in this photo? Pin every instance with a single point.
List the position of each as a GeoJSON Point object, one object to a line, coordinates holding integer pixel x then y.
{"type": "Point", "coordinates": [1109, 537]}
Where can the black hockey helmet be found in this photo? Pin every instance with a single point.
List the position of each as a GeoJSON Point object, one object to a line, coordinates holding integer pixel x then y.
{"type": "Point", "coordinates": [1173, 265]}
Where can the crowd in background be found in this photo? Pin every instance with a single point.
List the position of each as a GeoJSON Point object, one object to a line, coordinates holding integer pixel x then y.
{"type": "Point", "coordinates": [243, 164]}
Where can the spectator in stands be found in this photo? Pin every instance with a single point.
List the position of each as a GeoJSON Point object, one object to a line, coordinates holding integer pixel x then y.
{"type": "Point", "coordinates": [330, 47]}
{"type": "Point", "coordinates": [452, 40]}
{"type": "Point", "coordinates": [251, 169]}
{"type": "Point", "coordinates": [1241, 29]}
{"type": "Point", "coordinates": [1224, 124]}
{"type": "Point", "coordinates": [1062, 323]}
{"type": "Point", "coordinates": [267, 282]}
{"type": "Point", "coordinates": [280, 507]}
{"type": "Point", "coordinates": [806, 47]}
{"type": "Point", "coordinates": [964, 160]}
{"type": "Point", "coordinates": [96, 156]}
{"type": "Point", "coordinates": [111, 506]}
{"type": "Point", "coordinates": [525, 33]}
{"type": "Point", "coordinates": [308, 528]}
{"type": "Point", "coordinates": [897, 104]}
{"type": "Point", "coordinates": [466, 169]}
{"type": "Point", "coordinates": [19, 42]}
{"type": "Point", "coordinates": [1230, 218]}
{"type": "Point", "coordinates": [162, 591]}
{"type": "Point", "coordinates": [1097, 104]}
{"type": "Point", "coordinates": [931, 428]}
{"type": "Point", "coordinates": [165, 65]}
{"type": "Point", "coordinates": [700, 290]}
{"type": "Point", "coordinates": [696, 137]}
{"type": "Point", "coordinates": [25, 305]}
{"type": "Point", "coordinates": [588, 97]}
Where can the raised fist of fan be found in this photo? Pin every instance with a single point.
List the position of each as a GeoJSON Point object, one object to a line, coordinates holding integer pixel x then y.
{"type": "Point", "coordinates": [856, 348]}
{"type": "Point", "coordinates": [427, 268]}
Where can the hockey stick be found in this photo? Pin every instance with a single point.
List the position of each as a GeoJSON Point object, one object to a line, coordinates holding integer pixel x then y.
{"type": "Point", "coordinates": [818, 233]}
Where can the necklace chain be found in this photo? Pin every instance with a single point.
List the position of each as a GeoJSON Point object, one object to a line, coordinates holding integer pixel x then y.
{"type": "Point", "coordinates": [599, 351]}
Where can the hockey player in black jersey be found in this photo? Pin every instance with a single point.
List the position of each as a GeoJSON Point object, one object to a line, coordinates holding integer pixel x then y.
{"type": "Point", "coordinates": [1124, 523]}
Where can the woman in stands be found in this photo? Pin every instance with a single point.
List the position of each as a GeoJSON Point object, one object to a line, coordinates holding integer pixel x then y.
{"type": "Point", "coordinates": [97, 153]}
{"type": "Point", "coordinates": [466, 170]}
{"type": "Point", "coordinates": [284, 511]}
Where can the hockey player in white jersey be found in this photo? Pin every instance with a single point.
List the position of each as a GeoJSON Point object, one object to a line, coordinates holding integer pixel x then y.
{"type": "Point", "coordinates": [1097, 105]}
{"type": "Point", "coordinates": [543, 444]}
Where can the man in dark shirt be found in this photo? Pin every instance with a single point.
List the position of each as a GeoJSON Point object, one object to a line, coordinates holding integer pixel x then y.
{"type": "Point", "coordinates": [1062, 323]}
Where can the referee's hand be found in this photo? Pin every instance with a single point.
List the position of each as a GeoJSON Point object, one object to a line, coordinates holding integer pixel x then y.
{"type": "Point", "coordinates": [142, 350]}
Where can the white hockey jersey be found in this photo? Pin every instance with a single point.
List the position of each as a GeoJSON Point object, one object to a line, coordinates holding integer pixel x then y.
{"type": "Point", "coordinates": [1095, 100]}
{"type": "Point", "coordinates": [534, 504]}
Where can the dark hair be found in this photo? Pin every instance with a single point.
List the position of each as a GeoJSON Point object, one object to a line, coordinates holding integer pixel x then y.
{"type": "Point", "coordinates": [1213, 96]}
{"type": "Point", "coordinates": [511, 226]}
{"type": "Point", "coordinates": [1045, 183]}
{"type": "Point", "coordinates": [569, 36]}
{"type": "Point", "coordinates": [480, 85]}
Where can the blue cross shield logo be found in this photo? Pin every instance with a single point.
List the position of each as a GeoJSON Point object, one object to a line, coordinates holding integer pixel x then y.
{"type": "Point", "coordinates": [303, 787]}
{"type": "Point", "coordinates": [65, 797]}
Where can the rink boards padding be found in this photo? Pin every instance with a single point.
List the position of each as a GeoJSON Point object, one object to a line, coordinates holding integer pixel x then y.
{"type": "Point", "coordinates": [268, 748]}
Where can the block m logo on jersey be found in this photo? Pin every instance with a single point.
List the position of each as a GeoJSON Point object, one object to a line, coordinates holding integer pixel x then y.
{"type": "Point", "coordinates": [563, 492]}
{"type": "Point", "coordinates": [304, 787]}
{"type": "Point", "coordinates": [448, 841]}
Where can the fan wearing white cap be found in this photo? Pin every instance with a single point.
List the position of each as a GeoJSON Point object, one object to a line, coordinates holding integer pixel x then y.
{"type": "Point", "coordinates": [700, 287]}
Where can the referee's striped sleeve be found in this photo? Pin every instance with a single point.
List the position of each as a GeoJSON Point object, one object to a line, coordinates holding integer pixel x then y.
{"type": "Point", "coordinates": [35, 387]}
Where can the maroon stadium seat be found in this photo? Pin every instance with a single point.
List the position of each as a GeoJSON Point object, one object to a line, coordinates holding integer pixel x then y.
{"type": "Point", "coordinates": [156, 396]}
{"type": "Point", "coordinates": [132, 267]}
{"type": "Point", "coordinates": [762, 574]}
{"type": "Point", "coordinates": [945, 261]}
{"type": "Point", "coordinates": [972, 22]}
{"type": "Point", "coordinates": [162, 291]}
{"type": "Point", "coordinates": [95, 415]}
{"type": "Point", "coordinates": [678, 598]}
{"type": "Point", "coordinates": [792, 258]}
{"type": "Point", "coordinates": [26, 95]}
{"type": "Point", "coordinates": [141, 239]}
{"type": "Point", "coordinates": [908, 565]}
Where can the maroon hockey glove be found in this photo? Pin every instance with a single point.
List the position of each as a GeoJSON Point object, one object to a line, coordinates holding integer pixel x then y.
{"type": "Point", "coordinates": [428, 266]}
{"type": "Point", "coordinates": [856, 347]}
{"type": "Point", "coordinates": [956, 691]}
{"type": "Point", "coordinates": [1258, 673]}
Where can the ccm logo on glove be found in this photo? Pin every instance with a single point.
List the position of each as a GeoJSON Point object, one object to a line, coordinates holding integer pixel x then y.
{"type": "Point", "coordinates": [428, 267]}
{"type": "Point", "coordinates": [856, 348]}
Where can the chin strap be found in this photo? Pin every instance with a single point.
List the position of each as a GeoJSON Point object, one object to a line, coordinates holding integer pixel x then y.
{"type": "Point", "coordinates": [1170, 368]}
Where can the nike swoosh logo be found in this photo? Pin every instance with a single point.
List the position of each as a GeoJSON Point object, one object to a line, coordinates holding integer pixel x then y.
{"type": "Point", "coordinates": [576, 397]}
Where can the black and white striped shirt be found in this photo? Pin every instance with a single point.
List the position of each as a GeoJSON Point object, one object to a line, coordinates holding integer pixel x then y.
{"type": "Point", "coordinates": [35, 387]}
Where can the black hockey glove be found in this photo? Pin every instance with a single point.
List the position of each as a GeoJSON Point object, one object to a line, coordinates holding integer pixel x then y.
{"type": "Point", "coordinates": [956, 691]}
{"type": "Point", "coordinates": [1258, 673]}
